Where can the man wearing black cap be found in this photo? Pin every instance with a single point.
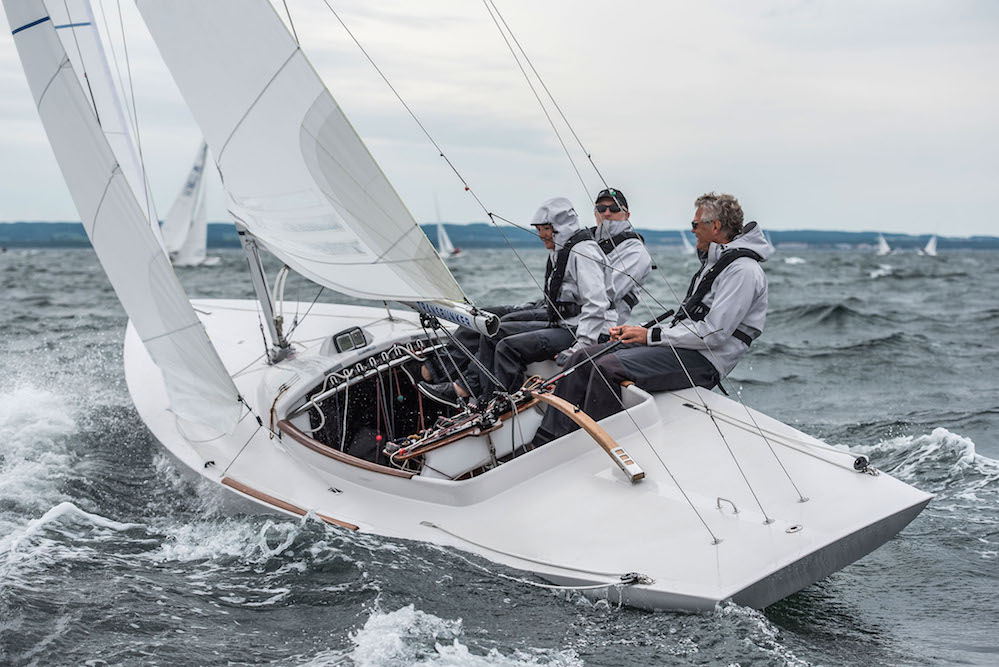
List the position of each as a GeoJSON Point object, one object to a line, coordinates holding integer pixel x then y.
{"type": "Point", "coordinates": [575, 313]}
{"type": "Point", "coordinates": [628, 260]}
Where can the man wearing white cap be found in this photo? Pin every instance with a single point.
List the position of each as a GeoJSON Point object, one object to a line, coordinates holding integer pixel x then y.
{"type": "Point", "coordinates": [576, 304]}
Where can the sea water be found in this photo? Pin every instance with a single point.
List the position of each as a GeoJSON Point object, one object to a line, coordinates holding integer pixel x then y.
{"type": "Point", "coordinates": [108, 555]}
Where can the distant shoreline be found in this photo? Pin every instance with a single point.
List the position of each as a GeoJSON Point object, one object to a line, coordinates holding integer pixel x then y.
{"type": "Point", "coordinates": [482, 235]}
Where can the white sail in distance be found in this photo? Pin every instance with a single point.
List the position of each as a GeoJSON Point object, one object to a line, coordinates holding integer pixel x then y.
{"type": "Point", "coordinates": [883, 247]}
{"type": "Point", "coordinates": [444, 245]}
{"type": "Point", "coordinates": [688, 249]}
{"type": "Point", "coordinates": [199, 388]}
{"type": "Point", "coordinates": [81, 39]}
{"type": "Point", "coordinates": [931, 246]}
{"type": "Point", "coordinates": [184, 228]}
{"type": "Point", "coordinates": [295, 172]}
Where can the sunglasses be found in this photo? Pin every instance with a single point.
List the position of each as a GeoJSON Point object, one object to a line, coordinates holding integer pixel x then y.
{"type": "Point", "coordinates": [614, 208]}
{"type": "Point", "coordinates": [693, 223]}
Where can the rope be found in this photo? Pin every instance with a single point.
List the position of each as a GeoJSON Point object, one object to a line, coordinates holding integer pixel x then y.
{"type": "Point", "coordinates": [135, 110]}
{"type": "Point", "coordinates": [586, 190]}
{"type": "Point", "coordinates": [492, 219]}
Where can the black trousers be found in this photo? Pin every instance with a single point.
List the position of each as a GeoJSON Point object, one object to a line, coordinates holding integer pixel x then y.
{"type": "Point", "coordinates": [453, 364]}
{"type": "Point", "coordinates": [517, 344]}
{"type": "Point", "coordinates": [596, 386]}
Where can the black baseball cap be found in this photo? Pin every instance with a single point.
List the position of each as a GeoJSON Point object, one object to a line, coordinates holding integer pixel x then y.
{"type": "Point", "coordinates": [612, 193]}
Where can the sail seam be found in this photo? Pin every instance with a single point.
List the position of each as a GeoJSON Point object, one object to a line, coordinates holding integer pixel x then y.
{"type": "Point", "coordinates": [170, 333]}
{"type": "Point", "coordinates": [246, 113]}
{"type": "Point", "coordinates": [45, 90]}
{"type": "Point", "coordinates": [361, 188]}
{"type": "Point", "coordinates": [100, 204]}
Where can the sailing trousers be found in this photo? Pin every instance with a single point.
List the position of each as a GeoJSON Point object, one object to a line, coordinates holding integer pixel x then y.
{"type": "Point", "coordinates": [596, 386]}
{"type": "Point", "coordinates": [453, 364]}
{"type": "Point", "coordinates": [517, 344]}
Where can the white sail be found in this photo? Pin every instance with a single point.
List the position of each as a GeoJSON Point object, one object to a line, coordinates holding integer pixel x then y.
{"type": "Point", "coordinates": [883, 247]}
{"type": "Point", "coordinates": [74, 23]}
{"type": "Point", "coordinates": [198, 386]}
{"type": "Point", "coordinates": [184, 228]}
{"type": "Point", "coordinates": [688, 248]}
{"type": "Point", "coordinates": [444, 245]}
{"type": "Point", "coordinates": [295, 172]}
{"type": "Point", "coordinates": [931, 247]}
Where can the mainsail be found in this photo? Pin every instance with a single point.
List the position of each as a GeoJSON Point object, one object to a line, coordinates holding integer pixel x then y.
{"type": "Point", "coordinates": [74, 23]}
{"type": "Point", "coordinates": [198, 385]}
{"type": "Point", "coordinates": [295, 172]}
{"type": "Point", "coordinates": [184, 228]}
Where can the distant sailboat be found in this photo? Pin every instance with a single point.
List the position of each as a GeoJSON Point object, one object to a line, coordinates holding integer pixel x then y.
{"type": "Point", "coordinates": [445, 248]}
{"type": "Point", "coordinates": [688, 249]}
{"type": "Point", "coordinates": [185, 230]}
{"type": "Point", "coordinates": [931, 247]}
{"type": "Point", "coordinates": [883, 247]}
{"type": "Point", "coordinates": [444, 245]}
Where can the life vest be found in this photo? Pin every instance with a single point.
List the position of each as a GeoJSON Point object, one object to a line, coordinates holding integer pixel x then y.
{"type": "Point", "coordinates": [554, 277]}
{"type": "Point", "coordinates": [693, 304]}
{"type": "Point", "coordinates": [609, 245]}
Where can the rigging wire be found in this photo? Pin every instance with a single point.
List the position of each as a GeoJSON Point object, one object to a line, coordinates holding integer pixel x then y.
{"type": "Point", "coordinates": [492, 4]}
{"type": "Point", "coordinates": [135, 111]}
{"type": "Point", "coordinates": [586, 189]}
{"type": "Point", "coordinates": [79, 54]}
{"type": "Point", "coordinates": [523, 264]}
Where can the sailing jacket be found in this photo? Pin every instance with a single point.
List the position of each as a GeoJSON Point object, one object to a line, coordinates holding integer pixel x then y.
{"type": "Point", "coordinates": [737, 301]}
{"type": "Point", "coordinates": [583, 280]}
{"type": "Point", "coordinates": [628, 266]}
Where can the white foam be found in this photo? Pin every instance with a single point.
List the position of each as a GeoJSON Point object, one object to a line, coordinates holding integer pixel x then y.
{"type": "Point", "coordinates": [759, 632]}
{"type": "Point", "coordinates": [940, 462]}
{"type": "Point", "coordinates": [794, 260]}
{"type": "Point", "coordinates": [882, 271]}
{"type": "Point", "coordinates": [409, 636]}
{"type": "Point", "coordinates": [34, 425]}
{"type": "Point", "coordinates": [25, 549]}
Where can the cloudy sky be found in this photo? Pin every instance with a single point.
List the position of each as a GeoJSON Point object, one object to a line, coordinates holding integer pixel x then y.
{"type": "Point", "coordinates": [817, 114]}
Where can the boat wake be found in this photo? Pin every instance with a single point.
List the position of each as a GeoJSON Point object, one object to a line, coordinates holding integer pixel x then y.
{"type": "Point", "coordinates": [940, 462]}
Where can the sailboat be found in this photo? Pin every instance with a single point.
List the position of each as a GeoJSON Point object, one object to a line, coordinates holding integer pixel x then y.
{"type": "Point", "coordinates": [883, 247]}
{"type": "Point", "coordinates": [931, 247]}
{"type": "Point", "coordinates": [688, 247]}
{"type": "Point", "coordinates": [185, 230]}
{"type": "Point", "coordinates": [445, 248]}
{"type": "Point", "coordinates": [683, 500]}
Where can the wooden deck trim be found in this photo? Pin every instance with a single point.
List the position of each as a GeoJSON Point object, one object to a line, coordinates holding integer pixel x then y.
{"type": "Point", "coordinates": [595, 431]}
{"type": "Point", "coordinates": [301, 437]}
{"type": "Point", "coordinates": [277, 502]}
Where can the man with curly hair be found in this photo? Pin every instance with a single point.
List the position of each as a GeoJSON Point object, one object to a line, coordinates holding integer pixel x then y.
{"type": "Point", "coordinates": [724, 311]}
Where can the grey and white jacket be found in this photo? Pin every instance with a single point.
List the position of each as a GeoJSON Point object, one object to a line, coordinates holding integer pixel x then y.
{"type": "Point", "coordinates": [628, 267]}
{"type": "Point", "coordinates": [584, 273]}
{"type": "Point", "coordinates": [737, 300]}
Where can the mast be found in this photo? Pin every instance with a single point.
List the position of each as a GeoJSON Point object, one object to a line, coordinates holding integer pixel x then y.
{"type": "Point", "coordinates": [280, 348]}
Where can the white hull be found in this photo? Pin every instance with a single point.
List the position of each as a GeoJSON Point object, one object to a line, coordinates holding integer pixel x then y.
{"type": "Point", "coordinates": [563, 511]}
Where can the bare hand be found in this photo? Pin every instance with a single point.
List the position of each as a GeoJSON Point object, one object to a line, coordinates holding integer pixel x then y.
{"type": "Point", "coordinates": [629, 334]}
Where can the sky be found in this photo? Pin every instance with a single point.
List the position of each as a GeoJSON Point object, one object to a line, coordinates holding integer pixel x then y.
{"type": "Point", "coordinates": [855, 115]}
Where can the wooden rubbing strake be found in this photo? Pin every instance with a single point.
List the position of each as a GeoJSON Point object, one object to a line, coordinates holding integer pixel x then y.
{"type": "Point", "coordinates": [623, 460]}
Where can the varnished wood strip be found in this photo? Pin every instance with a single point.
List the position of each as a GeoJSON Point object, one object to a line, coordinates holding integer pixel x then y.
{"type": "Point", "coordinates": [301, 437]}
{"type": "Point", "coordinates": [602, 438]}
{"type": "Point", "coordinates": [277, 502]}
